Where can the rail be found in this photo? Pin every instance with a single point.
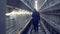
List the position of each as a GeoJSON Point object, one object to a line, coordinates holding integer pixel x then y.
{"type": "Point", "coordinates": [26, 28]}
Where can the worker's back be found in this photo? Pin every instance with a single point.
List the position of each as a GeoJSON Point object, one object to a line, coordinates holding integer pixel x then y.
{"type": "Point", "coordinates": [36, 15]}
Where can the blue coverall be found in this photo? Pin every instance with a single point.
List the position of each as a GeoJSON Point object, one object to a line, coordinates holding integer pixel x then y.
{"type": "Point", "coordinates": [35, 20]}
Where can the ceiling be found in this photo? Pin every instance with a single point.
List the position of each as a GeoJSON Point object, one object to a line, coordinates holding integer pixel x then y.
{"type": "Point", "coordinates": [39, 4]}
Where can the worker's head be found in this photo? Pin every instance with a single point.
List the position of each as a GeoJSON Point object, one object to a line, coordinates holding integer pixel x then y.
{"type": "Point", "coordinates": [36, 10]}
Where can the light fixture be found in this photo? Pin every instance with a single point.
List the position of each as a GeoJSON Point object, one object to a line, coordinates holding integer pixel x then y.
{"type": "Point", "coordinates": [36, 4]}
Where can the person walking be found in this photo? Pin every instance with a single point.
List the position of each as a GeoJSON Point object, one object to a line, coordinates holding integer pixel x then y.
{"type": "Point", "coordinates": [35, 20]}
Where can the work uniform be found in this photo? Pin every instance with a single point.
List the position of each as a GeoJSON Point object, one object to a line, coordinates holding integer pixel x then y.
{"type": "Point", "coordinates": [35, 20]}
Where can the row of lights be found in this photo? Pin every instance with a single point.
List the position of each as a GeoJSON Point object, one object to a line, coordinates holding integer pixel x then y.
{"type": "Point", "coordinates": [36, 7]}
{"type": "Point", "coordinates": [19, 12]}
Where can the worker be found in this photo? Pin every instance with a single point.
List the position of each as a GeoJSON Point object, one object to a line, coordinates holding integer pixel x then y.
{"type": "Point", "coordinates": [35, 20]}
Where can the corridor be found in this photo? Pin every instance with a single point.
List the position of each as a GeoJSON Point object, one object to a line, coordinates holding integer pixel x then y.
{"type": "Point", "coordinates": [16, 16]}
